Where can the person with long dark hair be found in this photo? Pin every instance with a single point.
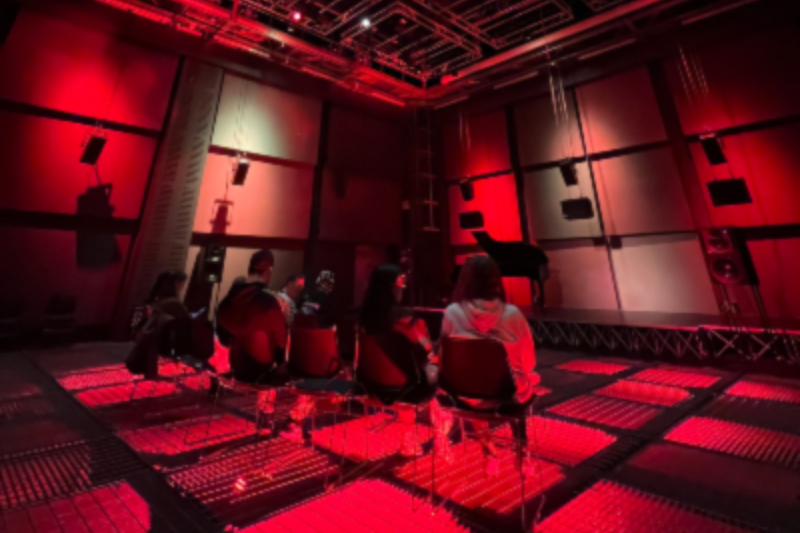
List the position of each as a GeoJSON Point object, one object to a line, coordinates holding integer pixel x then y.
{"type": "Point", "coordinates": [383, 315]}
{"type": "Point", "coordinates": [480, 310]}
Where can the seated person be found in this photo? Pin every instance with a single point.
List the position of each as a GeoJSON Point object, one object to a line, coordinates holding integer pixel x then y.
{"type": "Point", "coordinates": [319, 303]}
{"type": "Point", "coordinates": [289, 295]}
{"type": "Point", "coordinates": [163, 306]}
{"type": "Point", "coordinates": [252, 320]}
{"type": "Point", "coordinates": [382, 315]}
{"type": "Point", "coordinates": [479, 309]}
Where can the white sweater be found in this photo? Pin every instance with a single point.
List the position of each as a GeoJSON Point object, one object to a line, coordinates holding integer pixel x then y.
{"type": "Point", "coordinates": [502, 322]}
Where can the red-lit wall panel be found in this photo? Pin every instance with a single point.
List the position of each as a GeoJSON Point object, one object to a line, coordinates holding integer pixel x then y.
{"type": "Point", "coordinates": [749, 80]}
{"type": "Point", "coordinates": [476, 145]}
{"type": "Point", "coordinates": [663, 273]}
{"type": "Point", "coordinates": [275, 201]}
{"type": "Point", "coordinates": [360, 209]}
{"type": "Point", "coordinates": [580, 276]}
{"type": "Point", "coordinates": [539, 138]}
{"type": "Point", "coordinates": [619, 112]}
{"type": "Point", "coordinates": [642, 193]}
{"type": "Point", "coordinates": [41, 169]}
{"type": "Point", "coordinates": [54, 64]}
{"type": "Point", "coordinates": [496, 198]}
{"type": "Point", "coordinates": [263, 120]}
{"type": "Point", "coordinates": [768, 160]}
{"type": "Point", "coordinates": [40, 263]}
{"type": "Point", "coordinates": [366, 146]}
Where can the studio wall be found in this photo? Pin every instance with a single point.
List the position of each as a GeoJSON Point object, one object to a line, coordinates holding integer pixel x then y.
{"type": "Point", "coordinates": [475, 145]}
{"type": "Point", "coordinates": [496, 199]}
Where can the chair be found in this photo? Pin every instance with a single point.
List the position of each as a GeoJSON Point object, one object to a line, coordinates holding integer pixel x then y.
{"type": "Point", "coordinates": [477, 369]}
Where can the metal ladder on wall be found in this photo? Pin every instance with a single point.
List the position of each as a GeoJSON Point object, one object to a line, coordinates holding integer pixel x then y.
{"type": "Point", "coordinates": [425, 193]}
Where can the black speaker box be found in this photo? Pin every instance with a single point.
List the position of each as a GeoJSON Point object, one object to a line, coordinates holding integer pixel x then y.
{"type": "Point", "coordinates": [728, 257]}
{"type": "Point", "coordinates": [577, 209]}
{"type": "Point", "coordinates": [213, 263]}
{"type": "Point", "coordinates": [467, 191]}
{"type": "Point", "coordinates": [93, 149]}
{"type": "Point", "coordinates": [713, 151]}
{"type": "Point", "coordinates": [729, 192]}
{"type": "Point", "coordinates": [471, 220]}
{"type": "Point", "coordinates": [568, 173]}
{"type": "Point", "coordinates": [241, 171]}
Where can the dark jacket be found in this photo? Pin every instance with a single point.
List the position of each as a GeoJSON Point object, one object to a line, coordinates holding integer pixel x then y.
{"type": "Point", "coordinates": [253, 321]}
{"type": "Point", "coordinates": [154, 339]}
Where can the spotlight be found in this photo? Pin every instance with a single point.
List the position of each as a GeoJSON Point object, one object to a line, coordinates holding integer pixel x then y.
{"type": "Point", "coordinates": [365, 23]}
{"type": "Point", "coordinates": [297, 16]}
{"type": "Point", "coordinates": [92, 150]}
{"type": "Point", "coordinates": [242, 166]}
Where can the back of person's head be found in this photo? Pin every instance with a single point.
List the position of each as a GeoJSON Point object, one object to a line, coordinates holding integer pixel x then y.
{"type": "Point", "coordinates": [166, 285]}
{"type": "Point", "coordinates": [480, 279]}
{"type": "Point", "coordinates": [380, 300]}
{"type": "Point", "coordinates": [325, 281]}
{"type": "Point", "coordinates": [261, 264]}
{"type": "Point", "coordinates": [294, 285]}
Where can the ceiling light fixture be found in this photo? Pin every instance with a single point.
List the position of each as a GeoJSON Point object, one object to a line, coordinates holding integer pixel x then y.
{"type": "Point", "coordinates": [297, 16]}
{"type": "Point", "coordinates": [365, 23]}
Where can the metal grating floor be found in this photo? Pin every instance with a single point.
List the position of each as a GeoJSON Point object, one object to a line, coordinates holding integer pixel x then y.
{"type": "Point", "coordinates": [677, 378]}
{"type": "Point", "coordinates": [650, 393]}
{"type": "Point", "coordinates": [607, 411]}
{"type": "Point", "coordinates": [194, 434]}
{"type": "Point", "coordinates": [740, 440]}
{"type": "Point", "coordinates": [612, 508]}
{"type": "Point", "coordinates": [593, 367]}
{"type": "Point", "coordinates": [764, 391]}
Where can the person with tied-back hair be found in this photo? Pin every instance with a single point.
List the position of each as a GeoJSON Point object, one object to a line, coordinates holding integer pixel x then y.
{"type": "Point", "coordinates": [480, 310]}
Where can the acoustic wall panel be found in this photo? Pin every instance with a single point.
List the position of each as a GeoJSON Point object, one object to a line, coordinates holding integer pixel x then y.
{"type": "Point", "coordinates": [496, 199]}
{"type": "Point", "coordinates": [544, 192]}
{"type": "Point", "coordinates": [476, 145]}
{"type": "Point", "coordinates": [580, 275]}
{"type": "Point", "coordinates": [663, 273]}
{"type": "Point", "coordinates": [539, 138]}
{"type": "Point", "coordinates": [768, 161]}
{"type": "Point", "coordinates": [263, 120]}
{"type": "Point", "coordinates": [642, 193]}
{"type": "Point", "coordinates": [619, 112]}
{"type": "Point", "coordinates": [367, 146]}
{"type": "Point", "coordinates": [40, 263]}
{"type": "Point", "coordinates": [41, 168]}
{"type": "Point", "coordinates": [749, 80]}
{"type": "Point", "coordinates": [360, 210]}
{"type": "Point", "coordinates": [275, 201]}
{"type": "Point", "coordinates": [54, 64]}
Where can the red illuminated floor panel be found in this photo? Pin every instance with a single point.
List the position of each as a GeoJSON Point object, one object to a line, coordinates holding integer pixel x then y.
{"type": "Point", "coordinates": [607, 411]}
{"type": "Point", "coordinates": [21, 407]}
{"type": "Point", "coordinates": [26, 480]}
{"type": "Point", "coordinates": [611, 508]}
{"type": "Point", "coordinates": [367, 438]}
{"type": "Point", "coordinates": [113, 508]}
{"type": "Point", "coordinates": [257, 472]}
{"type": "Point", "coordinates": [677, 378]}
{"type": "Point", "coordinates": [593, 367]}
{"type": "Point", "coordinates": [361, 507]}
{"type": "Point", "coordinates": [185, 436]}
{"type": "Point", "coordinates": [103, 378]}
{"type": "Point", "coordinates": [764, 391]}
{"type": "Point", "coordinates": [637, 391]}
{"type": "Point", "coordinates": [115, 394]}
{"type": "Point", "coordinates": [465, 482]}
{"type": "Point", "coordinates": [740, 440]}
{"type": "Point", "coordinates": [563, 442]}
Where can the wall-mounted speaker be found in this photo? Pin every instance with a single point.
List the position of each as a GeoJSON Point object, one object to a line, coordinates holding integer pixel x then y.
{"type": "Point", "coordinates": [213, 261]}
{"type": "Point", "coordinates": [467, 191]}
{"type": "Point", "coordinates": [728, 257]}
{"type": "Point", "coordinates": [568, 173]}
{"type": "Point", "coordinates": [577, 209]}
{"type": "Point", "coordinates": [713, 150]}
{"type": "Point", "coordinates": [471, 220]}
{"type": "Point", "coordinates": [729, 192]}
{"type": "Point", "coordinates": [240, 174]}
{"type": "Point", "coordinates": [92, 150]}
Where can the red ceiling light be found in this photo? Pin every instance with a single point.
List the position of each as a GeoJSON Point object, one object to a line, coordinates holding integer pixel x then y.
{"type": "Point", "coordinates": [297, 16]}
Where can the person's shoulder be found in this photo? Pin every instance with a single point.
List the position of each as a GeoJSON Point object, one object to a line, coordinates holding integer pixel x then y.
{"type": "Point", "coordinates": [512, 311]}
{"type": "Point", "coordinates": [452, 308]}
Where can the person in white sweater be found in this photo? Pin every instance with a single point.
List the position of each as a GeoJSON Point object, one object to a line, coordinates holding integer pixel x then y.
{"type": "Point", "coordinates": [480, 310]}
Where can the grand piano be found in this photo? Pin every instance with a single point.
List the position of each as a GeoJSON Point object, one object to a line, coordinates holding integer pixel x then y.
{"type": "Point", "coordinates": [516, 259]}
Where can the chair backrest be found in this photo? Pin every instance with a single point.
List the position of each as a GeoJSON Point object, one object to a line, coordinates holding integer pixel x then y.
{"type": "Point", "coordinates": [375, 364]}
{"type": "Point", "coordinates": [475, 368]}
{"type": "Point", "coordinates": [313, 353]}
{"type": "Point", "coordinates": [305, 321]}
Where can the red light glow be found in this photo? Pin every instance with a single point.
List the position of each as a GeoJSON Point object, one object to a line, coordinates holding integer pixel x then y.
{"type": "Point", "coordinates": [636, 391]}
{"type": "Point", "coordinates": [169, 439]}
{"type": "Point", "coordinates": [562, 442]}
{"type": "Point", "coordinates": [593, 367]}
{"type": "Point", "coordinates": [740, 440]}
{"type": "Point", "coordinates": [677, 378]}
{"type": "Point", "coordinates": [116, 394]}
{"type": "Point", "coordinates": [297, 16]}
{"type": "Point", "coordinates": [363, 506]}
{"type": "Point", "coordinates": [613, 508]}
{"type": "Point", "coordinates": [465, 482]}
{"type": "Point", "coordinates": [764, 391]}
{"type": "Point", "coordinates": [99, 378]}
{"type": "Point", "coordinates": [607, 411]}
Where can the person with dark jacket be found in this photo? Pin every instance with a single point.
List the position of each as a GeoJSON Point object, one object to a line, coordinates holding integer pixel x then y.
{"type": "Point", "coordinates": [318, 302]}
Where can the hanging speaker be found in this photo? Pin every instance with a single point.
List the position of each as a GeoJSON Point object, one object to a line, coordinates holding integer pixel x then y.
{"type": "Point", "coordinates": [729, 192]}
{"type": "Point", "coordinates": [242, 166]}
{"type": "Point", "coordinates": [213, 262]}
{"type": "Point", "coordinates": [92, 150]}
{"type": "Point", "coordinates": [577, 209]}
{"type": "Point", "coordinates": [713, 150]}
{"type": "Point", "coordinates": [471, 220]}
{"type": "Point", "coordinates": [568, 173]}
{"type": "Point", "coordinates": [728, 257]}
{"type": "Point", "coordinates": [467, 191]}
